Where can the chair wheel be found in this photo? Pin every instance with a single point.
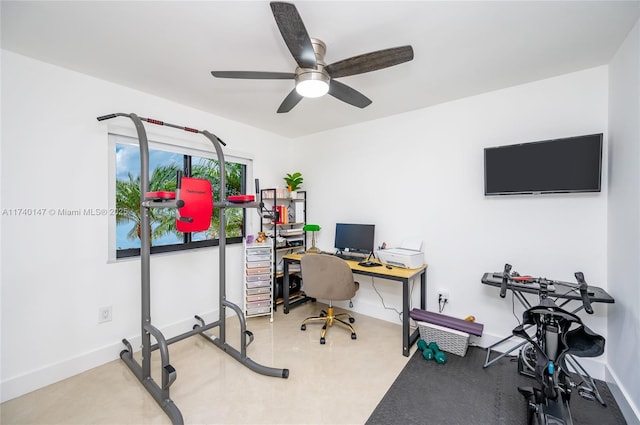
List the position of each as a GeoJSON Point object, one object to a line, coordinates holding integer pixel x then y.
{"type": "Point", "coordinates": [303, 327]}
{"type": "Point", "coordinates": [322, 341]}
{"type": "Point", "coordinates": [353, 336]}
{"type": "Point", "coordinates": [351, 319]}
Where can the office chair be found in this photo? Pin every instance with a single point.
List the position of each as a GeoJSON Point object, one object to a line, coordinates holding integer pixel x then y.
{"type": "Point", "coordinates": [329, 278]}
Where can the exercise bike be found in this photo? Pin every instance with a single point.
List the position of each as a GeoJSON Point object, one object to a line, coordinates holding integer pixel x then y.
{"type": "Point", "coordinates": [558, 333]}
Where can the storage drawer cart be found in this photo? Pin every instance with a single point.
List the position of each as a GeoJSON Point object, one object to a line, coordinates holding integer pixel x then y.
{"type": "Point", "coordinates": [258, 280]}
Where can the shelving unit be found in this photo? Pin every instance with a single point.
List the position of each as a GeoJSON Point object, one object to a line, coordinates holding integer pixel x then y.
{"type": "Point", "coordinates": [258, 280]}
{"type": "Point", "coordinates": [286, 231]}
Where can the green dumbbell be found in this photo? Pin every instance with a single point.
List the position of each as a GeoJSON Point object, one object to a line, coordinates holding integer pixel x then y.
{"type": "Point", "coordinates": [421, 344]}
{"type": "Point", "coordinates": [441, 358]}
{"type": "Point", "coordinates": [427, 353]}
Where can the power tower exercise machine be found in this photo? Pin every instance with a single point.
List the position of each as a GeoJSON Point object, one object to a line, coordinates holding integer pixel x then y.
{"type": "Point", "coordinates": [194, 207]}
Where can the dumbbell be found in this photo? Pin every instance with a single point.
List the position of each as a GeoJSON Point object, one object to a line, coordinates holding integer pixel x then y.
{"type": "Point", "coordinates": [427, 352]}
{"type": "Point", "coordinates": [441, 358]}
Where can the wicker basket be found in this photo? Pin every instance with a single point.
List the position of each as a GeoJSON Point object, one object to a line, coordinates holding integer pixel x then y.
{"type": "Point", "coordinates": [449, 340]}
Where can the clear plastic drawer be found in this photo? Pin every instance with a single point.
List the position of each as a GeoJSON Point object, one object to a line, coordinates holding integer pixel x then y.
{"type": "Point", "coordinates": [257, 264]}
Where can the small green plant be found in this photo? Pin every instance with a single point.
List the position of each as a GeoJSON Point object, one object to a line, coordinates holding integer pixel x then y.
{"type": "Point", "coordinates": [294, 181]}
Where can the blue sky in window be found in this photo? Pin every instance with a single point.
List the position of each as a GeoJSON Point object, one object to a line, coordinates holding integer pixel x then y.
{"type": "Point", "coordinates": [128, 161]}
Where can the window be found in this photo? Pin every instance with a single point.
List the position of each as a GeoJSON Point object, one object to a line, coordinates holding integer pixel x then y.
{"type": "Point", "coordinates": [164, 163]}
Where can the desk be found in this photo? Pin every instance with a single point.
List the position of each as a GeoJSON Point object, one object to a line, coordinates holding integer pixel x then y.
{"type": "Point", "coordinates": [398, 274]}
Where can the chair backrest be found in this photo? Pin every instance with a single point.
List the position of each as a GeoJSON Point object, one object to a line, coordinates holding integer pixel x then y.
{"type": "Point", "coordinates": [327, 277]}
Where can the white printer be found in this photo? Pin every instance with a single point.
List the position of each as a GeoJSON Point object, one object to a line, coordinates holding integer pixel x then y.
{"type": "Point", "coordinates": [409, 255]}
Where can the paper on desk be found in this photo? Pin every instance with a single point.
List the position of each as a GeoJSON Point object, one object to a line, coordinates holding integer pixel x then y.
{"type": "Point", "coordinates": [411, 244]}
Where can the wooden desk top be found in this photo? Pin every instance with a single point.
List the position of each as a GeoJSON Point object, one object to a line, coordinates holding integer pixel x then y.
{"type": "Point", "coordinates": [382, 271]}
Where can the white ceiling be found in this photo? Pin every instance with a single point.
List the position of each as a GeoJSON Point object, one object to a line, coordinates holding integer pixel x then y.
{"type": "Point", "coordinates": [461, 49]}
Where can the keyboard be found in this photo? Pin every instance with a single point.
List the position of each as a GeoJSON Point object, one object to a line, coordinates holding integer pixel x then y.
{"type": "Point", "coordinates": [349, 257]}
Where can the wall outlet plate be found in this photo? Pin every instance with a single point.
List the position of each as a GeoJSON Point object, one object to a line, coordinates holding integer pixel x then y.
{"type": "Point", "coordinates": [104, 314]}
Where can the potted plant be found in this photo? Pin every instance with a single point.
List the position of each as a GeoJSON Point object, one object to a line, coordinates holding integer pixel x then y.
{"type": "Point", "coordinates": [294, 182]}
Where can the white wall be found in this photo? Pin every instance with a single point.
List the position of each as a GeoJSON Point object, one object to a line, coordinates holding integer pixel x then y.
{"type": "Point", "coordinates": [420, 174]}
{"type": "Point", "coordinates": [55, 274]}
{"type": "Point", "coordinates": [623, 254]}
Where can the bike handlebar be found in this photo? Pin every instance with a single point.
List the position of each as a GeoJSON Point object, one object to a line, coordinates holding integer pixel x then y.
{"type": "Point", "coordinates": [582, 285]}
{"type": "Point", "coordinates": [586, 302]}
{"type": "Point", "coordinates": [505, 278]}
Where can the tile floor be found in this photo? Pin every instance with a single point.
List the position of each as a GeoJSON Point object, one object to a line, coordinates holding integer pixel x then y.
{"type": "Point", "coordinates": [340, 382]}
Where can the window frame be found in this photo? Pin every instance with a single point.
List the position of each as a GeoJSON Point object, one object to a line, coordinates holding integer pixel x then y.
{"type": "Point", "coordinates": [184, 148]}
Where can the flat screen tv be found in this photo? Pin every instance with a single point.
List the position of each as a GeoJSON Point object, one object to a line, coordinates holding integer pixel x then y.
{"type": "Point", "coordinates": [566, 165]}
{"type": "Point", "coordinates": [358, 238]}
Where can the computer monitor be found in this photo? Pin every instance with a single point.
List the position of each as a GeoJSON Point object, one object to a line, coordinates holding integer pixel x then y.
{"type": "Point", "coordinates": [357, 238]}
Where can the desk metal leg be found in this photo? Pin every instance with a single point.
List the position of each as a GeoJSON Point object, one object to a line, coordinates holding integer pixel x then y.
{"type": "Point", "coordinates": [285, 287]}
{"type": "Point", "coordinates": [423, 289]}
{"type": "Point", "coordinates": [409, 338]}
{"type": "Point", "coordinates": [406, 336]}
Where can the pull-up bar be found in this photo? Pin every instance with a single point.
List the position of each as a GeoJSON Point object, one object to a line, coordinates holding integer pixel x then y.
{"type": "Point", "coordinates": [157, 122]}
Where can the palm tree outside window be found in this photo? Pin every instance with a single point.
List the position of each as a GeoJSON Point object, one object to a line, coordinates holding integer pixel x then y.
{"type": "Point", "coordinates": [163, 167]}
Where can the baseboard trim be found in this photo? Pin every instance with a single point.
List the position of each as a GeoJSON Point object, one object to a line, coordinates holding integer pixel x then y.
{"type": "Point", "coordinates": [56, 372]}
{"type": "Point", "coordinates": [630, 411]}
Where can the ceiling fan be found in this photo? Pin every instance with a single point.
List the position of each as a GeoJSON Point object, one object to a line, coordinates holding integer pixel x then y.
{"type": "Point", "coordinates": [313, 77]}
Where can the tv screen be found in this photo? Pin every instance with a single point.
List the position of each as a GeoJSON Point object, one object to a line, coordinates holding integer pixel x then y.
{"type": "Point", "coordinates": [357, 238]}
{"type": "Point", "coordinates": [566, 165]}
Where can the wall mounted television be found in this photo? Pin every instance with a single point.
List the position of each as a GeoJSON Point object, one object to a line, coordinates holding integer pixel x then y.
{"type": "Point", "coordinates": [572, 164]}
{"type": "Point", "coordinates": [357, 238]}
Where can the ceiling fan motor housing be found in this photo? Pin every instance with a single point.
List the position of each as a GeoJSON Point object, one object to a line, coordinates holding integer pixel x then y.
{"type": "Point", "coordinates": [314, 82]}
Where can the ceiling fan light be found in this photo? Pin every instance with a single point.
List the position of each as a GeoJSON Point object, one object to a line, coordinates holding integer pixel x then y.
{"type": "Point", "coordinates": [312, 88]}
{"type": "Point", "coordinates": [312, 83]}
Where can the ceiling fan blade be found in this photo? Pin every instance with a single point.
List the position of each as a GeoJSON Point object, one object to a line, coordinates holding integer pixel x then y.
{"type": "Point", "coordinates": [254, 75]}
{"type": "Point", "coordinates": [289, 102]}
{"type": "Point", "coordinates": [348, 95]}
{"type": "Point", "coordinates": [294, 33]}
{"type": "Point", "coordinates": [370, 62]}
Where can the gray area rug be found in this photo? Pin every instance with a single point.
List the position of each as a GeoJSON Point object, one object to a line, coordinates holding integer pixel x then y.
{"type": "Point", "coordinates": [463, 392]}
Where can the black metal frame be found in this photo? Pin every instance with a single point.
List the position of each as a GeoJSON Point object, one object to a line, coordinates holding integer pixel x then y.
{"type": "Point", "coordinates": [160, 392]}
{"type": "Point", "coordinates": [284, 251]}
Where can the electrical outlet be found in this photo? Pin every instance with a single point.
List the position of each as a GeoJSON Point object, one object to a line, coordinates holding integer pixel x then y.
{"type": "Point", "coordinates": [104, 314]}
{"type": "Point", "coordinates": [443, 296]}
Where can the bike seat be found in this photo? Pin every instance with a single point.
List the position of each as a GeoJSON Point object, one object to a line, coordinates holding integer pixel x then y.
{"type": "Point", "coordinates": [583, 342]}
{"type": "Point", "coordinates": [580, 341]}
